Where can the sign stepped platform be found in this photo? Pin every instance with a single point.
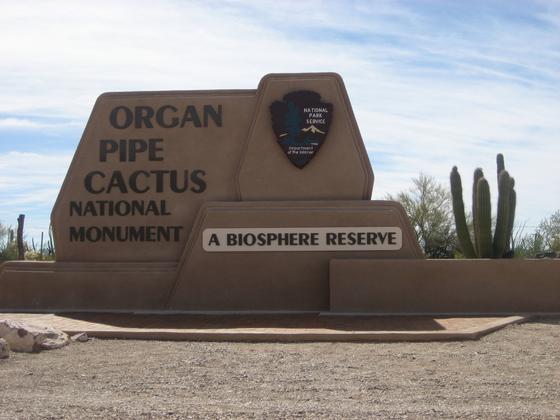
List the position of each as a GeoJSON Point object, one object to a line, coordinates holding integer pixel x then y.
{"type": "Point", "coordinates": [269, 328]}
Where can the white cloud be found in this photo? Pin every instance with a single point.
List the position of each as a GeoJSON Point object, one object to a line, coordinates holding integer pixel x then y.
{"type": "Point", "coordinates": [430, 89]}
{"type": "Point", "coordinates": [28, 124]}
{"type": "Point", "coordinates": [29, 184]}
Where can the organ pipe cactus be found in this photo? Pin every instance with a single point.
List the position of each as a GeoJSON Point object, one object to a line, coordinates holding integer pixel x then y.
{"type": "Point", "coordinates": [485, 246]}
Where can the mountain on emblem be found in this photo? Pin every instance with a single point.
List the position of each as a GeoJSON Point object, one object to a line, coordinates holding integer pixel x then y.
{"type": "Point", "coordinates": [301, 123]}
{"type": "Point", "coordinates": [313, 129]}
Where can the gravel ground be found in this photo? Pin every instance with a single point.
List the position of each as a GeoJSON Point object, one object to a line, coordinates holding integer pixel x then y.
{"type": "Point", "coordinates": [513, 373]}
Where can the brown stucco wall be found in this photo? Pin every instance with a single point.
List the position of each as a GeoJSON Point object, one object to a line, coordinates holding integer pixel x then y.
{"type": "Point", "coordinates": [445, 286]}
{"type": "Point", "coordinates": [56, 286]}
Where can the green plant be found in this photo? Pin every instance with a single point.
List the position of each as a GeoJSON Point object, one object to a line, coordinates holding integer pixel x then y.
{"type": "Point", "coordinates": [8, 246]}
{"type": "Point", "coordinates": [549, 228]}
{"type": "Point", "coordinates": [51, 252]}
{"type": "Point", "coordinates": [428, 206]}
{"type": "Point", "coordinates": [485, 246]}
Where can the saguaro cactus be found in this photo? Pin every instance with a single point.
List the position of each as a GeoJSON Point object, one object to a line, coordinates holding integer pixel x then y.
{"type": "Point", "coordinates": [484, 245]}
{"type": "Point", "coordinates": [459, 213]}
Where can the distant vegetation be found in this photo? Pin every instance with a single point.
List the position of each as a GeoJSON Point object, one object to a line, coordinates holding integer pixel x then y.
{"type": "Point", "coordinates": [428, 206]}
{"type": "Point", "coordinates": [543, 242]}
{"type": "Point", "coordinates": [42, 251]}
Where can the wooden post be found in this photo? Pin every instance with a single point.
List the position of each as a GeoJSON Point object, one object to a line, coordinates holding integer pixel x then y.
{"type": "Point", "coordinates": [20, 245]}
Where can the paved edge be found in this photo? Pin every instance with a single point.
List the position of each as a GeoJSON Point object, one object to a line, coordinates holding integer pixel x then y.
{"type": "Point", "coordinates": [237, 335]}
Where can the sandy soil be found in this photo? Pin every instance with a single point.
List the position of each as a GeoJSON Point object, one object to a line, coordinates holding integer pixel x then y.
{"type": "Point", "coordinates": [513, 373]}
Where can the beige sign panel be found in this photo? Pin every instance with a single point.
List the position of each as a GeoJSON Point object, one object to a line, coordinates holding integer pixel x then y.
{"type": "Point", "coordinates": [147, 161]}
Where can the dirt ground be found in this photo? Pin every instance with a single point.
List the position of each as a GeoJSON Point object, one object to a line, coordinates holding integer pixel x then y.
{"type": "Point", "coordinates": [513, 373]}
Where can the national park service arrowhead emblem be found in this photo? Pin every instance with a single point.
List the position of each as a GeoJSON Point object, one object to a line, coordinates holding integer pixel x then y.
{"type": "Point", "coordinates": [301, 123]}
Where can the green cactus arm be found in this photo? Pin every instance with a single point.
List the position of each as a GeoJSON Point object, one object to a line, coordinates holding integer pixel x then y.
{"type": "Point", "coordinates": [500, 165]}
{"type": "Point", "coordinates": [511, 218]}
{"type": "Point", "coordinates": [477, 175]}
{"type": "Point", "coordinates": [459, 213]}
{"type": "Point", "coordinates": [483, 226]}
{"type": "Point", "coordinates": [502, 219]}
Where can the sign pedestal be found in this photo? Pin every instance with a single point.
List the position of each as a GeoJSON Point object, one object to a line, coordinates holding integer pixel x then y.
{"type": "Point", "coordinates": [263, 270]}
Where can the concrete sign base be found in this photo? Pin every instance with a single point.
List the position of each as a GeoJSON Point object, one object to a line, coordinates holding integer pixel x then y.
{"type": "Point", "coordinates": [257, 277]}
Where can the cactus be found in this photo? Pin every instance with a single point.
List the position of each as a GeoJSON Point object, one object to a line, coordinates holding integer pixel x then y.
{"type": "Point", "coordinates": [50, 244]}
{"type": "Point", "coordinates": [512, 204]}
{"type": "Point", "coordinates": [501, 235]}
{"type": "Point", "coordinates": [500, 165]}
{"type": "Point", "coordinates": [477, 175]}
{"type": "Point", "coordinates": [459, 213]}
{"type": "Point", "coordinates": [483, 225]}
{"type": "Point", "coordinates": [484, 245]}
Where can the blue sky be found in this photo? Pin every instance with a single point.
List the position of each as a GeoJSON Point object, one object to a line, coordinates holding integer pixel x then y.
{"type": "Point", "coordinates": [433, 83]}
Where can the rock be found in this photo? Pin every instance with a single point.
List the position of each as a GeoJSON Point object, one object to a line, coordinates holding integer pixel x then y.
{"type": "Point", "coordinates": [28, 338]}
{"type": "Point", "coordinates": [4, 349]}
{"type": "Point", "coordinates": [81, 337]}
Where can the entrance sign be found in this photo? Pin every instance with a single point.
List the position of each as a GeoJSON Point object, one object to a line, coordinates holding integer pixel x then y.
{"type": "Point", "coordinates": [244, 201]}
